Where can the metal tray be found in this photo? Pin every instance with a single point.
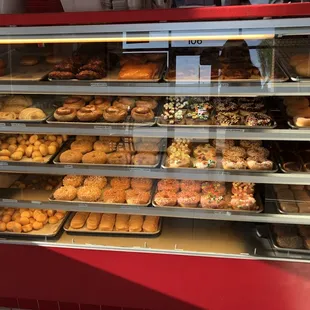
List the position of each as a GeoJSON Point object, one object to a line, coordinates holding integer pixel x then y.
{"type": "Point", "coordinates": [292, 125]}
{"type": "Point", "coordinates": [101, 203]}
{"type": "Point", "coordinates": [112, 76]}
{"type": "Point", "coordinates": [49, 230]}
{"type": "Point", "coordinates": [274, 245]}
{"type": "Point", "coordinates": [47, 105]}
{"type": "Point", "coordinates": [246, 171]}
{"type": "Point", "coordinates": [84, 230]}
{"type": "Point", "coordinates": [237, 212]}
{"type": "Point", "coordinates": [16, 72]}
{"type": "Point", "coordinates": [56, 161]}
{"type": "Point", "coordinates": [128, 122]}
{"type": "Point", "coordinates": [280, 164]}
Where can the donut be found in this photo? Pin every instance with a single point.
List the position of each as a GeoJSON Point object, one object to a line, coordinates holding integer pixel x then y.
{"type": "Point", "coordinates": [227, 119]}
{"type": "Point", "coordinates": [258, 151]}
{"type": "Point", "coordinates": [243, 202]}
{"type": "Point", "coordinates": [71, 157]}
{"type": "Point", "coordinates": [120, 183]}
{"type": "Point", "coordinates": [247, 108]}
{"type": "Point", "coordinates": [302, 68]}
{"type": "Point", "coordinates": [83, 146]}
{"type": "Point", "coordinates": [147, 102]}
{"type": "Point", "coordinates": [188, 199]}
{"type": "Point", "coordinates": [227, 107]}
{"type": "Point", "coordinates": [147, 148]}
{"type": "Point", "coordinates": [114, 114]}
{"type": "Point", "coordinates": [235, 151]}
{"type": "Point", "coordinates": [296, 59]}
{"type": "Point", "coordinates": [215, 188]}
{"type": "Point", "coordinates": [65, 114]}
{"type": "Point", "coordinates": [119, 158]}
{"type": "Point", "coordinates": [65, 193]}
{"type": "Point", "coordinates": [109, 139]}
{"type": "Point", "coordinates": [61, 75]}
{"type": "Point", "coordinates": [168, 185]}
{"type": "Point", "coordinates": [301, 121]}
{"type": "Point", "coordinates": [96, 181]}
{"type": "Point", "coordinates": [220, 144]}
{"type": "Point", "coordinates": [74, 103]}
{"type": "Point", "coordinates": [52, 59]}
{"type": "Point", "coordinates": [250, 143]}
{"type": "Point", "coordinates": [165, 198]}
{"type": "Point", "coordinates": [177, 160]}
{"type": "Point", "coordinates": [101, 103]}
{"type": "Point", "coordinates": [258, 119]}
{"type": "Point", "coordinates": [29, 60]}
{"type": "Point", "coordinates": [107, 147]}
{"type": "Point", "coordinates": [204, 149]}
{"type": "Point", "coordinates": [87, 138]}
{"type": "Point", "coordinates": [86, 98]}
{"type": "Point", "coordinates": [142, 184]}
{"type": "Point", "coordinates": [211, 201]}
{"type": "Point", "coordinates": [140, 114]}
{"type": "Point", "coordinates": [137, 197]}
{"type": "Point", "coordinates": [236, 163]}
{"type": "Point", "coordinates": [94, 157]}
{"type": "Point", "coordinates": [88, 193]}
{"type": "Point", "coordinates": [125, 103]}
{"type": "Point", "coordinates": [73, 180]}
{"type": "Point", "coordinates": [191, 186]}
{"type": "Point", "coordinates": [144, 159]}
{"type": "Point", "coordinates": [113, 195]}
{"type": "Point", "coordinates": [90, 113]}
{"type": "Point", "coordinates": [204, 161]}
{"type": "Point", "coordinates": [259, 163]}
{"type": "Point", "coordinates": [301, 102]}
{"type": "Point", "coordinates": [242, 187]}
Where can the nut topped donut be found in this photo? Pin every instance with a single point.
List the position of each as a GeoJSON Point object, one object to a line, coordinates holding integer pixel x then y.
{"type": "Point", "coordinates": [96, 181]}
{"type": "Point", "coordinates": [74, 103]}
{"type": "Point", "coordinates": [73, 180]}
{"type": "Point", "coordinates": [65, 114]}
{"type": "Point", "coordinates": [88, 193]}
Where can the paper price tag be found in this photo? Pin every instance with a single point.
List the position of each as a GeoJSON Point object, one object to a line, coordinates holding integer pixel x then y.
{"type": "Point", "coordinates": [68, 166]}
{"type": "Point", "coordinates": [18, 125]}
{"type": "Point", "coordinates": [9, 200]}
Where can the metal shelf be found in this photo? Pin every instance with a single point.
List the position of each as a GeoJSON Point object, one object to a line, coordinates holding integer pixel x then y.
{"type": "Point", "coordinates": [165, 212]}
{"type": "Point", "coordinates": [161, 132]}
{"type": "Point", "coordinates": [157, 173]}
{"type": "Point", "coordinates": [158, 89]}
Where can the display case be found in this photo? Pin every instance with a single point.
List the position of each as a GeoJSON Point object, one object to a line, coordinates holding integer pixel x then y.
{"type": "Point", "coordinates": [133, 154]}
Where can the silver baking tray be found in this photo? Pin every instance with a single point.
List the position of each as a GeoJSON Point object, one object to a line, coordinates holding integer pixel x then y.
{"type": "Point", "coordinates": [112, 76]}
{"type": "Point", "coordinates": [49, 230]}
{"type": "Point", "coordinates": [214, 211]}
{"type": "Point", "coordinates": [246, 171]}
{"type": "Point", "coordinates": [56, 161]}
{"type": "Point", "coordinates": [274, 245]}
{"type": "Point", "coordinates": [129, 122]}
{"type": "Point", "coordinates": [280, 164]}
{"type": "Point", "coordinates": [85, 231]}
{"type": "Point", "coordinates": [101, 203]}
{"type": "Point", "coordinates": [283, 56]}
{"type": "Point", "coordinates": [290, 122]}
{"type": "Point", "coordinates": [43, 103]}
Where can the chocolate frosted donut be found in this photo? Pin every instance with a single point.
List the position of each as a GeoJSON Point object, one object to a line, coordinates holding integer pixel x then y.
{"type": "Point", "coordinates": [227, 119]}
{"type": "Point", "coordinates": [258, 119]}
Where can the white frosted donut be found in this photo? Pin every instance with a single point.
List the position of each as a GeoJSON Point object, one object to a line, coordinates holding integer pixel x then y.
{"type": "Point", "coordinates": [302, 121]}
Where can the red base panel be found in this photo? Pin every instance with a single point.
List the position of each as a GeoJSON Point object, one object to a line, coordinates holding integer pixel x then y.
{"type": "Point", "coordinates": [152, 281]}
{"type": "Point", "coordinates": [156, 15]}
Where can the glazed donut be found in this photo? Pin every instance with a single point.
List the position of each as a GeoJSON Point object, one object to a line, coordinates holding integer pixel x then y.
{"type": "Point", "coordinates": [120, 183]}
{"type": "Point", "coordinates": [73, 180]}
{"type": "Point", "coordinates": [236, 163]}
{"type": "Point", "coordinates": [114, 114]}
{"type": "Point", "coordinates": [258, 152]}
{"type": "Point", "coordinates": [96, 181]}
{"type": "Point", "coordinates": [107, 147]}
{"type": "Point", "coordinates": [8, 115]}
{"type": "Point", "coordinates": [101, 103]}
{"type": "Point", "coordinates": [83, 146]}
{"type": "Point", "coordinates": [65, 114]}
{"type": "Point", "coordinates": [168, 185]}
{"type": "Point", "coordinates": [137, 197]}
{"type": "Point", "coordinates": [188, 199]}
{"type": "Point", "coordinates": [242, 187]}
{"type": "Point", "coordinates": [191, 186]}
{"type": "Point", "coordinates": [147, 102]}
{"type": "Point", "coordinates": [94, 157]}
{"type": "Point", "coordinates": [259, 163]}
{"type": "Point", "coordinates": [119, 158]}
{"type": "Point", "coordinates": [147, 148]}
{"type": "Point", "coordinates": [142, 114]}
{"type": "Point", "coordinates": [144, 159]}
{"type": "Point", "coordinates": [250, 143]}
{"type": "Point", "coordinates": [234, 151]}
{"type": "Point", "coordinates": [211, 201]}
{"type": "Point", "coordinates": [74, 103]}
{"type": "Point", "coordinates": [125, 103]}
{"type": "Point", "coordinates": [71, 157]}
{"type": "Point", "coordinates": [301, 121]}
{"type": "Point", "coordinates": [214, 188]}
{"type": "Point", "coordinates": [243, 202]}
{"type": "Point", "coordinates": [88, 193]}
{"type": "Point", "coordinates": [141, 184]}
{"type": "Point", "coordinates": [65, 193]}
{"type": "Point", "coordinates": [90, 113]}
{"type": "Point", "coordinates": [165, 198]}
{"type": "Point", "coordinates": [113, 195]}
